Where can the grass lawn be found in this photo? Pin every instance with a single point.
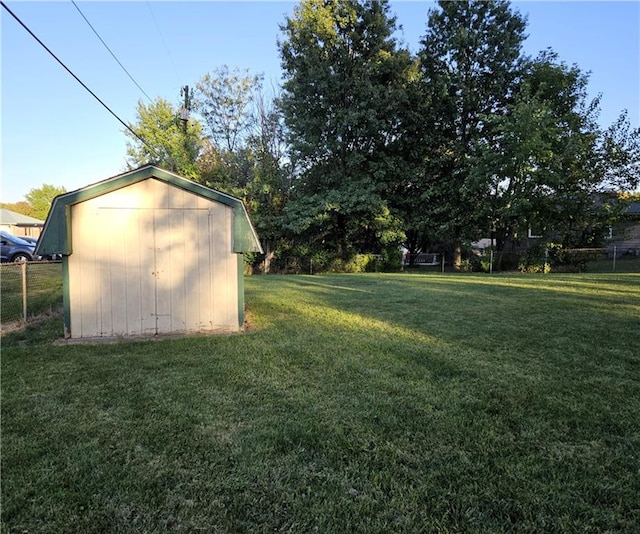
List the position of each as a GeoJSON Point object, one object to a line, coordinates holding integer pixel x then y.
{"type": "Point", "coordinates": [355, 403]}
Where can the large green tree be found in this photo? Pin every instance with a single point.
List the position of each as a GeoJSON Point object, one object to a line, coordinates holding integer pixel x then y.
{"type": "Point", "coordinates": [409, 193]}
{"type": "Point", "coordinates": [541, 161]}
{"type": "Point", "coordinates": [225, 99]}
{"type": "Point", "coordinates": [166, 140]}
{"type": "Point", "coordinates": [244, 152]}
{"type": "Point", "coordinates": [40, 199]}
{"type": "Point", "coordinates": [619, 150]}
{"type": "Point", "coordinates": [551, 167]}
{"type": "Point", "coordinates": [268, 191]}
{"type": "Point", "coordinates": [342, 80]}
{"type": "Point", "coordinates": [470, 58]}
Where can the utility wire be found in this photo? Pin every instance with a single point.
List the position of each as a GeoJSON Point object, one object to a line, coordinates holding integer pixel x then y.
{"type": "Point", "coordinates": [163, 40]}
{"type": "Point", "coordinates": [153, 150]}
{"type": "Point", "coordinates": [110, 51]}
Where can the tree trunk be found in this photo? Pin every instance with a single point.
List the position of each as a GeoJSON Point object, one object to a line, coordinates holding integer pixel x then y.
{"type": "Point", "coordinates": [269, 255]}
{"type": "Point", "coordinates": [457, 257]}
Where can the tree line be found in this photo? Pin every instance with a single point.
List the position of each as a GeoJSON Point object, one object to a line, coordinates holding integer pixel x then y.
{"type": "Point", "coordinates": [37, 201]}
{"type": "Point", "coordinates": [367, 147]}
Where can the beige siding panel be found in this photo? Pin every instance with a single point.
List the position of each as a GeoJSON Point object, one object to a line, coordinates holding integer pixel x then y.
{"type": "Point", "coordinates": [83, 289]}
{"type": "Point", "coordinates": [163, 238]}
{"type": "Point", "coordinates": [217, 276]}
{"type": "Point", "coordinates": [196, 290]}
{"type": "Point", "coordinates": [129, 260]}
{"type": "Point", "coordinates": [133, 253]}
{"type": "Point", "coordinates": [199, 278]}
{"type": "Point", "coordinates": [224, 272]}
{"type": "Point", "coordinates": [179, 258]}
{"type": "Point", "coordinates": [108, 291]}
{"type": "Point", "coordinates": [151, 258]}
{"type": "Point", "coordinates": [198, 287]}
{"type": "Point", "coordinates": [105, 266]}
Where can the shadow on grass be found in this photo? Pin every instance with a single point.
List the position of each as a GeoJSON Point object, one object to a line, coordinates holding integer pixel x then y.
{"type": "Point", "coordinates": [455, 309]}
{"type": "Point", "coordinates": [357, 404]}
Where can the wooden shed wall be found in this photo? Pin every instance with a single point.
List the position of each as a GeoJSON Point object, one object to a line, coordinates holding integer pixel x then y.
{"type": "Point", "coordinates": [151, 258]}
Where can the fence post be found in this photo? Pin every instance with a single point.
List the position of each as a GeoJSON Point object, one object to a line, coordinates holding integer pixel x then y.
{"type": "Point", "coordinates": [546, 259]}
{"type": "Point", "coordinates": [23, 269]}
{"type": "Point", "coordinates": [614, 258]}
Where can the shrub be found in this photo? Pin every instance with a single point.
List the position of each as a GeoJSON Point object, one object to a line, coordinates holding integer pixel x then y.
{"type": "Point", "coordinates": [362, 263]}
{"type": "Point", "coordinates": [476, 264]}
{"type": "Point", "coordinates": [337, 265]}
{"type": "Point", "coordinates": [319, 261]}
{"type": "Point", "coordinates": [532, 268]}
{"type": "Point", "coordinates": [249, 260]}
{"type": "Point", "coordinates": [507, 261]}
{"type": "Point", "coordinates": [466, 266]}
{"type": "Point", "coordinates": [391, 260]}
{"type": "Point", "coordinates": [550, 256]}
{"type": "Point", "coordinates": [571, 260]}
{"type": "Point", "coordinates": [535, 260]}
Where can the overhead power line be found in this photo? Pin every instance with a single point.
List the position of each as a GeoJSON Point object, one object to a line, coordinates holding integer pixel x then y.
{"type": "Point", "coordinates": [110, 51]}
{"type": "Point", "coordinates": [166, 48]}
{"type": "Point", "coordinates": [135, 134]}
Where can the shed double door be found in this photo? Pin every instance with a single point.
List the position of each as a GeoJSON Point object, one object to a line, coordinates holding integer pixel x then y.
{"type": "Point", "coordinates": [152, 271]}
{"type": "Point", "coordinates": [167, 263]}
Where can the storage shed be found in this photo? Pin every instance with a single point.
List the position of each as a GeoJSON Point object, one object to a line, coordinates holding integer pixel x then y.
{"type": "Point", "coordinates": [149, 252]}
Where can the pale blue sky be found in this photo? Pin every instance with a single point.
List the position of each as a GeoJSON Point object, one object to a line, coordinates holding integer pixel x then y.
{"type": "Point", "coordinates": [54, 132]}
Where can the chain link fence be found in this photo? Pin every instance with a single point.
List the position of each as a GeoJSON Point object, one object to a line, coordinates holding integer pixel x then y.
{"type": "Point", "coordinates": [35, 288]}
{"type": "Point", "coordinates": [29, 289]}
{"type": "Point", "coordinates": [539, 260]}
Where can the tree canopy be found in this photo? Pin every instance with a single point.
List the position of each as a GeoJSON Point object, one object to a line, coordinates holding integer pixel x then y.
{"type": "Point", "coordinates": [22, 206]}
{"type": "Point", "coordinates": [367, 147]}
{"type": "Point", "coordinates": [471, 64]}
{"type": "Point", "coordinates": [37, 202]}
{"type": "Point", "coordinates": [167, 141]}
{"type": "Point", "coordinates": [40, 199]}
{"type": "Point", "coordinates": [343, 76]}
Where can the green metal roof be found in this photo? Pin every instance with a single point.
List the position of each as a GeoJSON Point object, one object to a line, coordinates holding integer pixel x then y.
{"type": "Point", "coordinates": [55, 238]}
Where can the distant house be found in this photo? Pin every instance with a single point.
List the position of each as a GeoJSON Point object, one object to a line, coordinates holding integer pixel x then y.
{"type": "Point", "coordinates": [20, 225]}
{"type": "Point", "coordinates": [625, 236]}
{"type": "Point", "coordinates": [149, 252]}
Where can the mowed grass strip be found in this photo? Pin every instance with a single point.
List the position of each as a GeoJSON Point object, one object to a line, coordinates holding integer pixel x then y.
{"type": "Point", "coordinates": [354, 403]}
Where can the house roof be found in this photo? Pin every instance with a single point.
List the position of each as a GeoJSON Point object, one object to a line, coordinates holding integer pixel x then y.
{"type": "Point", "coordinates": [18, 219]}
{"type": "Point", "coordinates": [55, 238]}
{"type": "Point", "coordinates": [634, 208]}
